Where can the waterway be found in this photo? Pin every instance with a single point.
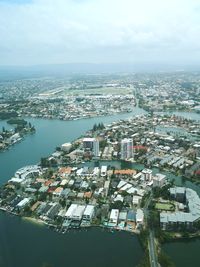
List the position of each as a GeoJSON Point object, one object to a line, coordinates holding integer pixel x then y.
{"type": "Point", "coordinates": [49, 134]}
{"type": "Point", "coordinates": [25, 244]}
{"type": "Point", "coordinates": [184, 253]}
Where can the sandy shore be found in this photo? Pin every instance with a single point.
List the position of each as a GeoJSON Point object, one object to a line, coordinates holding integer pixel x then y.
{"type": "Point", "coordinates": [34, 220]}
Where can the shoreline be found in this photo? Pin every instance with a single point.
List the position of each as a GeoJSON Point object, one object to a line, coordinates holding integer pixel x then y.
{"type": "Point", "coordinates": [40, 222]}
{"type": "Point", "coordinates": [33, 220]}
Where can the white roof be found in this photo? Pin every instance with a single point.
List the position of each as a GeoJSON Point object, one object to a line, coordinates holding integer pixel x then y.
{"type": "Point", "coordinates": [119, 198]}
{"type": "Point", "coordinates": [64, 182]}
{"type": "Point", "coordinates": [106, 184]}
{"type": "Point", "coordinates": [23, 202]}
{"type": "Point", "coordinates": [114, 214]}
{"type": "Point", "coordinates": [136, 199]}
{"type": "Point", "coordinates": [88, 139]}
{"type": "Point", "coordinates": [121, 183]}
{"type": "Point", "coordinates": [78, 212]}
{"type": "Point", "coordinates": [66, 145]}
{"type": "Point", "coordinates": [89, 210]}
{"type": "Point", "coordinates": [104, 169]}
{"type": "Point", "coordinates": [71, 210]}
{"type": "Point", "coordinates": [132, 190]}
{"type": "Point", "coordinates": [139, 215]}
{"type": "Point", "coordinates": [126, 187]}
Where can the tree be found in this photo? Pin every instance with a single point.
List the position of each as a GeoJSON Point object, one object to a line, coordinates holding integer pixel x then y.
{"type": "Point", "coordinates": [165, 260]}
{"type": "Point", "coordinates": [62, 202]}
{"type": "Point", "coordinates": [44, 162]}
{"type": "Point", "coordinates": [93, 187]}
{"type": "Point", "coordinates": [117, 205]}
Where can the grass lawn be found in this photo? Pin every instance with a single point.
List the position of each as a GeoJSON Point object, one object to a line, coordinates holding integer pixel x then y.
{"type": "Point", "coordinates": [164, 206]}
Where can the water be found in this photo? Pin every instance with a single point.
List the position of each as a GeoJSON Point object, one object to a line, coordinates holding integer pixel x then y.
{"type": "Point", "coordinates": [184, 253]}
{"type": "Point", "coordinates": [24, 244]}
{"type": "Point", "coordinates": [49, 134]}
{"type": "Point", "coordinates": [187, 115]}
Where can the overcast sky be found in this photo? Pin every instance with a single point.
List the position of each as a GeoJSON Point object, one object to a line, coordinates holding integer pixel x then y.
{"type": "Point", "coordinates": [99, 31]}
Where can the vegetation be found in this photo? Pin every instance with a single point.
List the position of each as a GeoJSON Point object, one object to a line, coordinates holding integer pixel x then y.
{"type": "Point", "coordinates": [153, 219]}
{"type": "Point", "coordinates": [143, 237]}
{"type": "Point", "coordinates": [17, 121]}
{"type": "Point", "coordinates": [99, 126]}
{"type": "Point", "coordinates": [162, 192]}
{"type": "Point", "coordinates": [165, 206]}
{"type": "Point", "coordinates": [6, 115]}
{"type": "Point", "coordinates": [165, 260]}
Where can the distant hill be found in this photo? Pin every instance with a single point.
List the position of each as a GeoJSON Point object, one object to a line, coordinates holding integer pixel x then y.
{"type": "Point", "coordinates": [57, 70]}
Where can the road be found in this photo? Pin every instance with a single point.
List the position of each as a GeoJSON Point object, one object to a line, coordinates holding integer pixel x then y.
{"type": "Point", "coordinates": [152, 250]}
{"type": "Point", "coordinates": [151, 239]}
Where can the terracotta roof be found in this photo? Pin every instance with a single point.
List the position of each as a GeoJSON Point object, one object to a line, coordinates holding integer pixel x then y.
{"type": "Point", "coordinates": [65, 170]}
{"type": "Point", "coordinates": [58, 190]}
{"type": "Point", "coordinates": [88, 194]}
{"type": "Point", "coordinates": [125, 172]}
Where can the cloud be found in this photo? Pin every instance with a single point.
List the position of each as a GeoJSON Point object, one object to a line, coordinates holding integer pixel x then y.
{"type": "Point", "coordinates": [63, 31]}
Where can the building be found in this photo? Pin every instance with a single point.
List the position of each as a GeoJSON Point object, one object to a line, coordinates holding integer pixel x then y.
{"type": "Point", "coordinates": [139, 217]}
{"type": "Point", "coordinates": [106, 187]}
{"type": "Point", "coordinates": [88, 143]}
{"type": "Point", "coordinates": [66, 147]}
{"type": "Point", "coordinates": [178, 193]}
{"type": "Point", "coordinates": [126, 148]}
{"type": "Point", "coordinates": [70, 211]}
{"type": "Point", "coordinates": [23, 203]}
{"type": "Point", "coordinates": [96, 148]}
{"type": "Point", "coordinates": [147, 174]}
{"type": "Point", "coordinates": [103, 171]}
{"type": "Point", "coordinates": [179, 218]}
{"type": "Point", "coordinates": [159, 180]}
{"type": "Point", "coordinates": [114, 216]}
{"type": "Point", "coordinates": [92, 145]}
{"type": "Point", "coordinates": [78, 212]}
{"type": "Point", "coordinates": [136, 200]}
{"type": "Point", "coordinates": [88, 213]}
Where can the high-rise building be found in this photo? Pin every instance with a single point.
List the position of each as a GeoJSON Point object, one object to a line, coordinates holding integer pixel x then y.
{"type": "Point", "coordinates": [88, 143]}
{"type": "Point", "coordinates": [92, 145]}
{"type": "Point", "coordinates": [147, 174]}
{"type": "Point", "coordinates": [96, 148]}
{"type": "Point", "coordinates": [159, 180]}
{"type": "Point", "coordinates": [126, 148]}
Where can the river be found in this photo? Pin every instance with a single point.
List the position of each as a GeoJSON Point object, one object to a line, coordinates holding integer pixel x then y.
{"type": "Point", "coordinates": [25, 244]}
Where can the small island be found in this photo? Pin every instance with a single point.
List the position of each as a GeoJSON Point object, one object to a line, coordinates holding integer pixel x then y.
{"type": "Point", "coordinates": [11, 137]}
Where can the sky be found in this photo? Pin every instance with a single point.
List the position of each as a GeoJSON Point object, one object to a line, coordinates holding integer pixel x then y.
{"type": "Point", "coordinates": [36, 32]}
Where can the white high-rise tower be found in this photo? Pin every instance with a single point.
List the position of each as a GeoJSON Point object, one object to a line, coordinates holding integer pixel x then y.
{"type": "Point", "coordinates": [126, 148]}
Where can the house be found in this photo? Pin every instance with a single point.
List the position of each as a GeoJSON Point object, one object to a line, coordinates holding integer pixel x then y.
{"type": "Point", "coordinates": [114, 216]}
{"type": "Point", "coordinates": [89, 213]}
{"type": "Point", "coordinates": [139, 217]}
